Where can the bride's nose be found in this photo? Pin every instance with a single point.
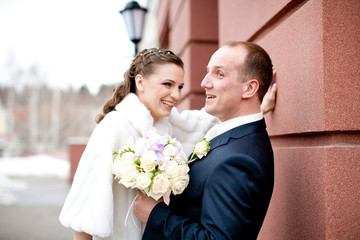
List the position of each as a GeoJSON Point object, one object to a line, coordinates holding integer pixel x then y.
{"type": "Point", "coordinates": [176, 94]}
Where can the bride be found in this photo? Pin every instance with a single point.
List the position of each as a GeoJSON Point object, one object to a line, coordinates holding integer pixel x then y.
{"type": "Point", "coordinates": [96, 205]}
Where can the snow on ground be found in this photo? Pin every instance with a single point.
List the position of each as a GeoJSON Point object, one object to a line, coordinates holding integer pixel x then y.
{"type": "Point", "coordinates": [32, 166]}
{"type": "Point", "coordinates": [36, 165]}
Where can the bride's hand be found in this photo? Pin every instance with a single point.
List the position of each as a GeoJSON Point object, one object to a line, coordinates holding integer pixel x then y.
{"type": "Point", "coordinates": [269, 100]}
{"type": "Point", "coordinates": [143, 206]}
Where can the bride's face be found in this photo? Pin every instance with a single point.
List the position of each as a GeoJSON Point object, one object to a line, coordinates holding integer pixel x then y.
{"type": "Point", "coordinates": [160, 91]}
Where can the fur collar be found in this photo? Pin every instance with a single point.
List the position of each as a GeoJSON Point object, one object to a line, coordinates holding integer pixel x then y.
{"type": "Point", "coordinates": [140, 118]}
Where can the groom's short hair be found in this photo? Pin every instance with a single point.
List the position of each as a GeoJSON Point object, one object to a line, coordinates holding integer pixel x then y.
{"type": "Point", "coordinates": [257, 65]}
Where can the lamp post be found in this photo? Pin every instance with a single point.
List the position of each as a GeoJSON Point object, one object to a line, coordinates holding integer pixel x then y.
{"type": "Point", "coordinates": [134, 20]}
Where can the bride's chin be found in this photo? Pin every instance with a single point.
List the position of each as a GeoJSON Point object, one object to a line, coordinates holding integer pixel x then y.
{"type": "Point", "coordinates": [166, 113]}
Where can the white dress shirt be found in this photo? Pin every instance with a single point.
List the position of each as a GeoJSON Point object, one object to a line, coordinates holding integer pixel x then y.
{"type": "Point", "coordinates": [232, 123]}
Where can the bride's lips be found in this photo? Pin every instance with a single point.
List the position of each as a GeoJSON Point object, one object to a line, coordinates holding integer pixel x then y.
{"type": "Point", "coordinates": [168, 103]}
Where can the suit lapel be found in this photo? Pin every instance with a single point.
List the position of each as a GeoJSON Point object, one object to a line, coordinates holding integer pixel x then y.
{"type": "Point", "coordinates": [237, 132]}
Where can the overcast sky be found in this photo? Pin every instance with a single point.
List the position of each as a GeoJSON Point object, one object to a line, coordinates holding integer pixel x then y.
{"type": "Point", "coordinates": [71, 42]}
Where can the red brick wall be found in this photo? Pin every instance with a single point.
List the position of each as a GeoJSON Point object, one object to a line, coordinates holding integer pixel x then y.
{"type": "Point", "coordinates": [190, 29]}
{"type": "Point", "coordinates": [315, 128]}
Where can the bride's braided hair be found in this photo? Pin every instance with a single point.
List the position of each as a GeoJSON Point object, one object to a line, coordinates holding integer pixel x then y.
{"type": "Point", "coordinates": [143, 64]}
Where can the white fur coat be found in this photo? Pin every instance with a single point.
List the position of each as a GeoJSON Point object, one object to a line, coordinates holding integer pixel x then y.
{"type": "Point", "coordinates": [97, 206]}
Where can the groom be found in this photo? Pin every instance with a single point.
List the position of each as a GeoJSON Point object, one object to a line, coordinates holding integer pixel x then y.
{"type": "Point", "coordinates": [230, 189]}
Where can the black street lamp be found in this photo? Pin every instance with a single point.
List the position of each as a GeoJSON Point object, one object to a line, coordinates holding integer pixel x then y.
{"type": "Point", "coordinates": [134, 16]}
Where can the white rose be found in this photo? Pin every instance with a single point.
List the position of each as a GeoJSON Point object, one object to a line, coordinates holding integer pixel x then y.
{"type": "Point", "coordinates": [143, 181]}
{"type": "Point", "coordinates": [183, 169]}
{"type": "Point", "coordinates": [152, 138]}
{"type": "Point", "coordinates": [172, 169]}
{"type": "Point", "coordinates": [179, 184]}
{"type": "Point", "coordinates": [181, 157]}
{"type": "Point", "coordinates": [127, 158]}
{"type": "Point", "coordinates": [176, 143]}
{"type": "Point", "coordinates": [201, 149]}
{"type": "Point", "coordinates": [139, 145]}
{"type": "Point", "coordinates": [128, 176]}
{"type": "Point", "coordinates": [173, 141]}
{"type": "Point", "coordinates": [178, 146]}
{"type": "Point", "coordinates": [160, 184]}
{"type": "Point", "coordinates": [162, 161]}
{"type": "Point", "coordinates": [148, 161]}
{"type": "Point", "coordinates": [116, 168]}
{"type": "Point", "coordinates": [169, 150]}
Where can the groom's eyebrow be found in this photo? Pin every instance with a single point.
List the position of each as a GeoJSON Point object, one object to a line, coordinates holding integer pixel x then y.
{"type": "Point", "coordinates": [216, 67]}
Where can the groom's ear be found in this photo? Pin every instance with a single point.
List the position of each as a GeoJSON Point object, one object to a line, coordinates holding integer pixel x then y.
{"type": "Point", "coordinates": [250, 88]}
{"type": "Point", "coordinates": [139, 81]}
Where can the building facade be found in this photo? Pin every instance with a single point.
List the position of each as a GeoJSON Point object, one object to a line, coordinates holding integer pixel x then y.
{"type": "Point", "coordinates": [315, 127]}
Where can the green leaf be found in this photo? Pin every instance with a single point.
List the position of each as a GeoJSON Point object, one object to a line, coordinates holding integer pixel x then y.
{"type": "Point", "coordinates": [150, 186]}
{"type": "Point", "coordinates": [126, 150]}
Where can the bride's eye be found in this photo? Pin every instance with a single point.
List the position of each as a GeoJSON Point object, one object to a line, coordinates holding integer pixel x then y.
{"type": "Point", "coordinates": [167, 84]}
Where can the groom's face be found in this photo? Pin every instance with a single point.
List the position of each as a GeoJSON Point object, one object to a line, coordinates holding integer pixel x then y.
{"type": "Point", "coordinates": [222, 83]}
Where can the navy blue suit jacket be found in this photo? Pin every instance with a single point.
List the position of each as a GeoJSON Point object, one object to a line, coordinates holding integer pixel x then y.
{"type": "Point", "coordinates": [228, 194]}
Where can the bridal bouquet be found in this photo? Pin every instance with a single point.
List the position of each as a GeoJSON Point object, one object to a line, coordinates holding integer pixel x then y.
{"type": "Point", "coordinates": [153, 164]}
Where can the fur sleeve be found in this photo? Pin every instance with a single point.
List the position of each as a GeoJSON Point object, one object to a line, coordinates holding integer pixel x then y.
{"type": "Point", "coordinates": [190, 126]}
{"type": "Point", "coordinates": [89, 204]}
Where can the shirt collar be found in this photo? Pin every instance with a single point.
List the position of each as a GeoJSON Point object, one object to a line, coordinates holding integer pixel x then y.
{"type": "Point", "coordinates": [235, 122]}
